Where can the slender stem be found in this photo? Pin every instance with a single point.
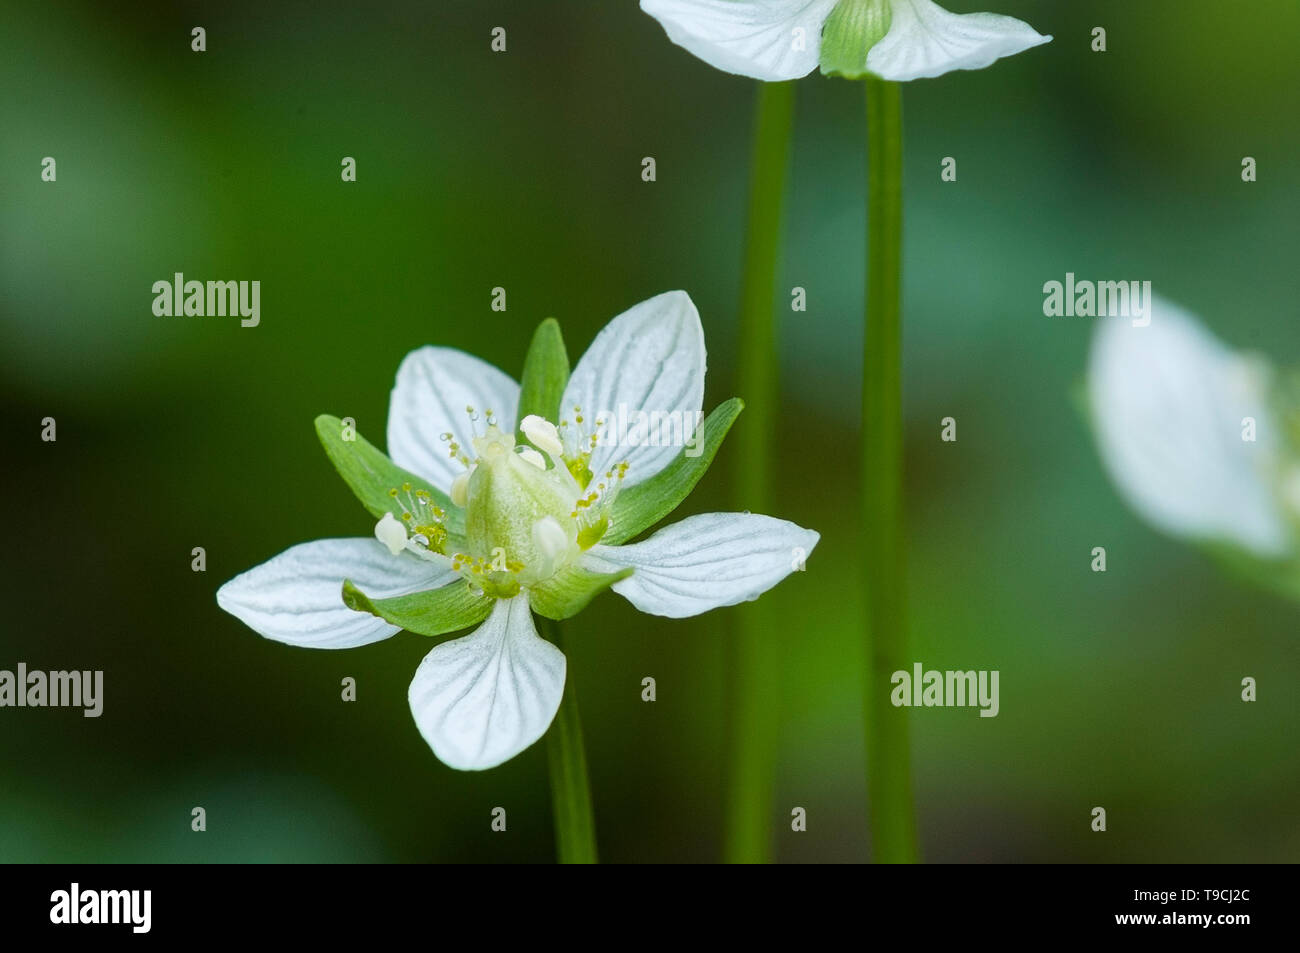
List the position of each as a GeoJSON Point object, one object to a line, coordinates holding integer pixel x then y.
{"type": "Point", "coordinates": [575, 824]}
{"type": "Point", "coordinates": [757, 664]}
{"type": "Point", "coordinates": [889, 773]}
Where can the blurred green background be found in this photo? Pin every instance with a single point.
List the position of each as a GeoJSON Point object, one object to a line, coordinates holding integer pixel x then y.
{"type": "Point", "coordinates": [523, 170]}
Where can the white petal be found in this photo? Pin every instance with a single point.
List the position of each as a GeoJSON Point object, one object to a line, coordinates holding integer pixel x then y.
{"type": "Point", "coordinates": [648, 360]}
{"type": "Point", "coordinates": [1167, 403]}
{"type": "Point", "coordinates": [296, 597]}
{"type": "Point", "coordinates": [434, 386]}
{"type": "Point", "coordinates": [703, 562]}
{"type": "Point", "coordinates": [755, 38]}
{"type": "Point", "coordinates": [926, 40]}
{"type": "Point", "coordinates": [482, 699]}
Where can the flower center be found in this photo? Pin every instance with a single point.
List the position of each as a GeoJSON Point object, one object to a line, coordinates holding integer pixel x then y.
{"type": "Point", "coordinates": [524, 521]}
{"type": "Point", "coordinates": [515, 510]}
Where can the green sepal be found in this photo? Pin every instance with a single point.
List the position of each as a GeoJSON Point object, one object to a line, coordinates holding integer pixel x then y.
{"type": "Point", "coordinates": [567, 592]}
{"type": "Point", "coordinates": [432, 612]}
{"type": "Point", "coordinates": [641, 506]}
{"type": "Point", "coordinates": [546, 372]}
{"type": "Point", "coordinates": [852, 29]}
{"type": "Point", "coordinates": [370, 475]}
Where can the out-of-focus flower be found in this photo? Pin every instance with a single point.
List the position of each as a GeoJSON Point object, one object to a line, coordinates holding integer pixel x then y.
{"type": "Point", "coordinates": [893, 39]}
{"type": "Point", "coordinates": [1187, 431]}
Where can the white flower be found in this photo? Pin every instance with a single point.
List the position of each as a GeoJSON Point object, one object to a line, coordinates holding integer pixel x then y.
{"type": "Point", "coordinates": [893, 39]}
{"type": "Point", "coordinates": [1169, 405]}
{"type": "Point", "coordinates": [497, 534]}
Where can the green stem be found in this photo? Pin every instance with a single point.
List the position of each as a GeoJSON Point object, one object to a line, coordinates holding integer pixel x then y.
{"type": "Point", "coordinates": [757, 664]}
{"type": "Point", "coordinates": [575, 824]}
{"type": "Point", "coordinates": [889, 774]}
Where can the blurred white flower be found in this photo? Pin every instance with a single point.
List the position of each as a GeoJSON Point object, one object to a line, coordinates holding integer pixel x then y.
{"type": "Point", "coordinates": [893, 39]}
{"type": "Point", "coordinates": [1169, 405]}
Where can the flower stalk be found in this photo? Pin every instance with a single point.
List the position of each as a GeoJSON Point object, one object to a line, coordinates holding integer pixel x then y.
{"type": "Point", "coordinates": [566, 755]}
{"type": "Point", "coordinates": [757, 681]}
{"type": "Point", "coordinates": [889, 781]}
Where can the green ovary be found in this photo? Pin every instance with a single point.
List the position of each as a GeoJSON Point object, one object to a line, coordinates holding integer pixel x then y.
{"type": "Point", "coordinates": [507, 498]}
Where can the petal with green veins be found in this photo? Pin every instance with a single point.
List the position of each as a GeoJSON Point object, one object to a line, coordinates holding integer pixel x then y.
{"type": "Point", "coordinates": [640, 507]}
{"type": "Point", "coordinates": [294, 597]}
{"type": "Point", "coordinates": [431, 612]}
{"type": "Point", "coordinates": [765, 39]}
{"type": "Point", "coordinates": [371, 475]}
{"type": "Point", "coordinates": [649, 359]}
{"type": "Point", "coordinates": [567, 592]}
{"type": "Point", "coordinates": [925, 40]}
{"type": "Point", "coordinates": [707, 561]}
{"type": "Point", "coordinates": [434, 387]}
{"type": "Point", "coordinates": [482, 699]}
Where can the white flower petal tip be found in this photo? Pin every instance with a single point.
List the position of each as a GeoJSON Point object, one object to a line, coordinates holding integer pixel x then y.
{"type": "Point", "coordinates": [444, 391]}
{"type": "Point", "coordinates": [1169, 404]}
{"type": "Point", "coordinates": [480, 700]}
{"type": "Point", "coordinates": [649, 360]}
{"type": "Point", "coordinates": [765, 39]}
{"type": "Point", "coordinates": [705, 562]}
{"type": "Point", "coordinates": [296, 597]}
{"type": "Point", "coordinates": [924, 40]}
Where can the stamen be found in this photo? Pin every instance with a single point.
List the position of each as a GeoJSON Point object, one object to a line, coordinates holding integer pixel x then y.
{"type": "Point", "coordinates": [453, 449]}
{"type": "Point", "coordinates": [591, 511]}
{"type": "Point", "coordinates": [391, 533]}
{"type": "Point", "coordinates": [423, 518]}
{"type": "Point", "coordinates": [544, 436]}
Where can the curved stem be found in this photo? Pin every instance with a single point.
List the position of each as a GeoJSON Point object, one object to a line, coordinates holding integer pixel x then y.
{"type": "Point", "coordinates": [575, 823]}
{"type": "Point", "coordinates": [757, 663]}
{"type": "Point", "coordinates": [889, 775]}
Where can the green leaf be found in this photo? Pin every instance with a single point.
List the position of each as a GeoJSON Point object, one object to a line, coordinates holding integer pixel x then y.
{"type": "Point", "coordinates": [852, 29]}
{"type": "Point", "coordinates": [546, 372]}
{"type": "Point", "coordinates": [432, 612]}
{"type": "Point", "coordinates": [638, 507]}
{"type": "Point", "coordinates": [370, 474]}
{"type": "Point", "coordinates": [569, 590]}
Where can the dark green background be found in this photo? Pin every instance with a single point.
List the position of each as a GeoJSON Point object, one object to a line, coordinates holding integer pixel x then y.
{"type": "Point", "coordinates": [523, 170]}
